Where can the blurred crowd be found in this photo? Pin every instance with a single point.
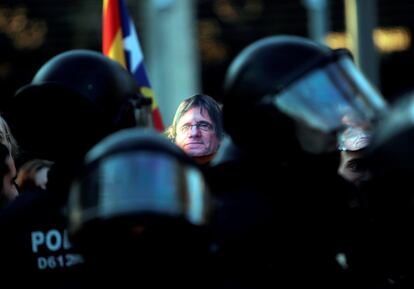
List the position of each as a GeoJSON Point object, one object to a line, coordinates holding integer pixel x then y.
{"type": "Point", "coordinates": [300, 176]}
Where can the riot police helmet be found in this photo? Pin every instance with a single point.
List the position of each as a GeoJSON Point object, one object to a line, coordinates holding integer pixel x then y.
{"type": "Point", "coordinates": [137, 176]}
{"type": "Point", "coordinates": [278, 82]}
{"type": "Point", "coordinates": [140, 204]}
{"type": "Point", "coordinates": [75, 99]}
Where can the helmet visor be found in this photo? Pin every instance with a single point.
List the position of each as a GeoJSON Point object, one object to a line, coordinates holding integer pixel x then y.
{"type": "Point", "coordinates": [332, 96]}
{"type": "Point", "coordinates": [132, 183]}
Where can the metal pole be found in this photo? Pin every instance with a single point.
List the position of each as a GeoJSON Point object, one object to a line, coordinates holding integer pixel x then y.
{"type": "Point", "coordinates": [318, 19]}
{"type": "Point", "coordinates": [171, 52]}
{"type": "Point", "coordinates": [361, 20]}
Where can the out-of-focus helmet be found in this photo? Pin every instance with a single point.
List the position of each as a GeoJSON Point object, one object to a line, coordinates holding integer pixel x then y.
{"type": "Point", "coordinates": [139, 176]}
{"type": "Point", "coordinates": [75, 99]}
{"type": "Point", "coordinates": [282, 78]}
{"type": "Point", "coordinates": [140, 204]}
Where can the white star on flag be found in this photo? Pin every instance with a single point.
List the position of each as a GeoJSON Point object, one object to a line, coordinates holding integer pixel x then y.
{"type": "Point", "coordinates": [131, 44]}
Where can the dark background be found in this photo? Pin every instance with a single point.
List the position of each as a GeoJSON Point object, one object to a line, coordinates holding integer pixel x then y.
{"type": "Point", "coordinates": [32, 31]}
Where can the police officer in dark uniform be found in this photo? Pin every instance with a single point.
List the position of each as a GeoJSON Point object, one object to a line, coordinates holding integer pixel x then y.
{"type": "Point", "coordinates": [8, 190]}
{"type": "Point", "coordinates": [385, 256]}
{"type": "Point", "coordinates": [75, 99]}
{"type": "Point", "coordinates": [139, 210]}
{"type": "Point", "coordinates": [282, 215]}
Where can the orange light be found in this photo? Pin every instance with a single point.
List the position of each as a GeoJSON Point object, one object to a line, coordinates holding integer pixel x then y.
{"type": "Point", "coordinates": [386, 40]}
{"type": "Point", "coordinates": [24, 32]}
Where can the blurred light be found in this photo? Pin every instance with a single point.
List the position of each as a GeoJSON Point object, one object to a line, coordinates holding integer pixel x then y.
{"type": "Point", "coordinates": [226, 11]}
{"type": "Point", "coordinates": [392, 39]}
{"type": "Point", "coordinates": [212, 48]}
{"type": "Point", "coordinates": [5, 69]}
{"type": "Point", "coordinates": [230, 12]}
{"type": "Point", "coordinates": [18, 21]}
{"type": "Point", "coordinates": [386, 40]}
{"type": "Point", "coordinates": [33, 37]}
{"type": "Point", "coordinates": [254, 7]}
{"type": "Point", "coordinates": [25, 33]}
{"type": "Point", "coordinates": [336, 40]}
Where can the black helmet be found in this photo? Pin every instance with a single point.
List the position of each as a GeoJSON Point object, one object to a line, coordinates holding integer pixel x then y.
{"type": "Point", "coordinates": [140, 204]}
{"type": "Point", "coordinates": [283, 78]}
{"type": "Point", "coordinates": [133, 174]}
{"type": "Point", "coordinates": [75, 98]}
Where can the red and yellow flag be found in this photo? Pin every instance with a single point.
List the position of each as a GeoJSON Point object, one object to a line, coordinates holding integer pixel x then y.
{"type": "Point", "coordinates": [121, 43]}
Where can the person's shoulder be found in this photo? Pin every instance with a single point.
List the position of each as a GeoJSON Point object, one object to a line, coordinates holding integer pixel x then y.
{"type": "Point", "coordinates": [26, 208]}
{"type": "Point", "coordinates": [228, 152]}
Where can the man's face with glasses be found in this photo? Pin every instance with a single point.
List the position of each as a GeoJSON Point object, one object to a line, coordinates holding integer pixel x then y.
{"type": "Point", "coordinates": [196, 133]}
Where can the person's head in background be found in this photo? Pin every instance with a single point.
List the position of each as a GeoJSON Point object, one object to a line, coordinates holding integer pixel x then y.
{"type": "Point", "coordinates": [8, 152]}
{"type": "Point", "coordinates": [33, 174]}
{"type": "Point", "coordinates": [8, 190]}
{"type": "Point", "coordinates": [7, 139]}
{"type": "Point", "coordinates": [352, 145]}
{"type": "Point", "coordinates": [197, 127]}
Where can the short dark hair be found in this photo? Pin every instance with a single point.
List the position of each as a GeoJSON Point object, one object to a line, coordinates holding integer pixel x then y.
{"type": "Point", "coordinates": [205, 102]}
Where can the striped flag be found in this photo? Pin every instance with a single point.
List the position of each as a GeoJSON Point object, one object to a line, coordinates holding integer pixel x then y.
{"type": "Point", "coordinates": [121, 43]}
